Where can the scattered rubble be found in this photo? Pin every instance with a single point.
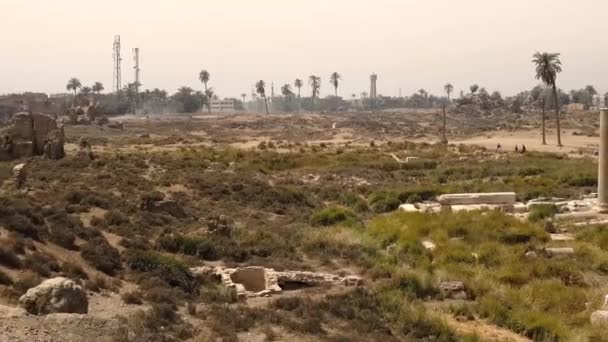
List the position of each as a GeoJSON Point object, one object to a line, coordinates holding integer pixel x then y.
{"type": "Point", "coordinates": [453, 290]}
{"type": "Point", "coordinates": [257, 281]}
{"type": "Point", "coordinates": [56, 295]}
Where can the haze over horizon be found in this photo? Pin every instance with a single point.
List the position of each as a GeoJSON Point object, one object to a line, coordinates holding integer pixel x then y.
{"type": "Point", "coordinates": [410, 44]}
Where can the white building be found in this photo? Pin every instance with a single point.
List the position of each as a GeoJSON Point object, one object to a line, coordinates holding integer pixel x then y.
{"type": "Point", "coordinates": [223, 105]}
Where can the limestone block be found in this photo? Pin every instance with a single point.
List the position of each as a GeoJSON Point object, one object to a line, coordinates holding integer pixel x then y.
{"type": "Point", "coordinates": [478, 198]}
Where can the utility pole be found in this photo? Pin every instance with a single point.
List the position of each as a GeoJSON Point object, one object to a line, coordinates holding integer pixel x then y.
{"type": "Point", "coordinates": [117, 82]}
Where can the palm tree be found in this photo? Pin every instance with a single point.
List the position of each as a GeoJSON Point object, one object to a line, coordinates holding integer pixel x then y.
{"type": "Point", "coordinates": [73, 85]}
{"type": "Point", "coordinates": [315, 85]}
{"type": "Point", "coordinates": [542, 103]}
{"type": "Point", "coordinates": [244, 96]}
{"type": "Point", "coordinates": [97, 87]}
{"type": "Point", "coordinates": [548, 66]}
{"type": "Point", "coordinates": [260, 88]}
{"type": "Point", "coordinates": [286, 90]}
{"type": "Point", "coordinates": [298, 84]}
{"type": "Point", "coordinates": [474, 88]}
{"type": "Point", "coordinates": [86, 91]}
{"type": "Point", "coordinates": [204, 77]}
{"type": "Point", "coordinates": [335, 78]}
{"type": "Point", "coordinates": [448, 89]}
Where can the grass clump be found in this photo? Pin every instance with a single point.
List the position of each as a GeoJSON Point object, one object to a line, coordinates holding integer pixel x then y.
{"type": "Point", "coordinates": [334, 215]}
{"type": "Point", "coordinates": [543, 211]}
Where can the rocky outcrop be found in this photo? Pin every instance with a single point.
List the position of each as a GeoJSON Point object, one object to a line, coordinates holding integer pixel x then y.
{"type": "Point", "coordinates": [258, 281]}
{"type": "Point", "coordinates": [57, 295]}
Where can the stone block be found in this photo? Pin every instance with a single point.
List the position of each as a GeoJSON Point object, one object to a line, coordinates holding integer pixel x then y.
{"type": "Point", "coordinates": [478, 198]}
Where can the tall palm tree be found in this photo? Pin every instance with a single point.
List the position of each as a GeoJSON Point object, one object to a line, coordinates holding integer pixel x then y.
{"type": "Point", "coordinates": [97, 87]}
{"type": "Point", "coordinates": [335, 78]}
{"type": "Point", "coordinates": [204, 77]}
{"type": "Point", "coordinates": [298, 84]}
{"type": "Point", "coordinates": [260, 88]}
{"type": "Point", "coordinates": [244, 96]}
{"type": "Point", "coordinates": [315, 85]}
{"type": "Point", "coordinates": [448, 89]}
{"type": "Point", "coordinates": [73, 85]}
{"type": "Point", "coordinates": [548, 66]}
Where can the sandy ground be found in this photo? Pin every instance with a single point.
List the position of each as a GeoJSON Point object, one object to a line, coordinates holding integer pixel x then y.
{"type": "Point", "coordinates": [532, 140]}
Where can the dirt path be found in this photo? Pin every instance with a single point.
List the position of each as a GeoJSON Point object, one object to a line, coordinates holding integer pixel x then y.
{"type": "Point", "coordinates": [532, 140]}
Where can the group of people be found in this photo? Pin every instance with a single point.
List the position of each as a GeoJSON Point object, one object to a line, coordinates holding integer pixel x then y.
{"type": "Point", "coordinates": [517, 149]}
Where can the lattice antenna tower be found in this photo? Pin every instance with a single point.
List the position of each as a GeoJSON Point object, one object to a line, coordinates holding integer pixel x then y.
{"type": "Point", "coordinates": [117, 81]}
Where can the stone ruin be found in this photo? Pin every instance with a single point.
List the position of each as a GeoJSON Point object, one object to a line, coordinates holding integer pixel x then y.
{"type": "Point", "coordinates": [32, 135]}
{"type": "Point", "coordinates": [257, 281]}
{"type": "Point", "coordinates": [82, 115]}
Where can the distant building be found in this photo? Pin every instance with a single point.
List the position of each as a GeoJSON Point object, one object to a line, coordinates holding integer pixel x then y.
{"type": "Point", "coordinates": [575, 107]}
{"type": "Point", "coordinates": [223, 105]}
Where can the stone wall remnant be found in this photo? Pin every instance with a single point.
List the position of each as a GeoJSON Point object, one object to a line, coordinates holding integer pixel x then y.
{"type": "Point", "coordinates": [258, 281]}
{"type": "Point", "coordinates": [32, 135]}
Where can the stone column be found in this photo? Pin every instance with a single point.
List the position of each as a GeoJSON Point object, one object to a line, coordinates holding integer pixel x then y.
{"type": "Point", "coordinates": [602, 192]}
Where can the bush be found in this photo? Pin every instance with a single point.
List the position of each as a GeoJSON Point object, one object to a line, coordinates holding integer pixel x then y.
{"type": "Point", "coordinates": [162, 295]}
{"type": "Point", "coordinates": [42, 264]}
{"type": "Point", "coordinates": [74, 271]}
{"type": "Point", "coordinates": [5, 279]}
{"type": "Point", "coordinates": [384, 202]}
{"type": "Point", "coordinates": [9, 259]}
{"type": "Point", "coordinates": [115, 218]}
{"type": "Point", "coordinates": [132, 297]}
{"type": "Point", "coordinates": [542, 212]}
{"type": "Point", "coordinates": [332, 216]}
{"type": "Point", "coordinates": [99, 254]}
{"type": "Point", "coordinates": [169, 269]}
{"type": "Point", "coordinates": [22, 225]}
{"type": "Point", "coordinates": [195, 246]}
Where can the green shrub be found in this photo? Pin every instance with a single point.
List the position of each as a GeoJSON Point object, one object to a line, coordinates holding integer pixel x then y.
{"type": "Point", "coordinates": [539, 326]}
{"type": "Point", "coordinates": [333, 215]}
{"type": "Point", "coordinates": [542, 212]}
{"type": "Point", "coordinates": [195, 246]}
{"type": "Point", "coordinates": [99, 254]}
{"type": "Point", "coordinates": [167, 268]}
{"type": "Point", "coordinates": [384, 202]}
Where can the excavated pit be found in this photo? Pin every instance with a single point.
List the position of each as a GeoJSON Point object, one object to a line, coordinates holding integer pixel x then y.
{"type": "Point", "coordinates": [253, 279]}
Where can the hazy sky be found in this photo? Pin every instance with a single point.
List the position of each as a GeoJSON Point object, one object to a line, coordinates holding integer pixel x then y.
{"type": "Point", "coordinates": [410, 44]}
